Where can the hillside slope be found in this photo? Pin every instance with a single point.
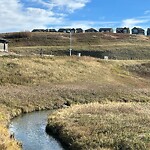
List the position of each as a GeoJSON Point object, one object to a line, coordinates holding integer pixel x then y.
{"type": "Point", "coordinates": [37, 83]}
{"type": "Point", "coordinates": [114, 45]}
{"type": "Point", "coordinates": [30, 82]}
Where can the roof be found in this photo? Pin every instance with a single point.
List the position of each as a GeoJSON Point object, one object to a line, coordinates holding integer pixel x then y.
{"type": "Point", "coordinates": [106, 28]}
{"type": "Point", "coordinates": [140, 29]}
{"type": "Point", "coordinates": [79, 29]}
{"type": "Point", "coordinates": [3, 40]}
{"type": "Point", "coordinates": [91, 29]}
{"type": "Point", "coordinates": [63, 29]}
{"type": "Point", "coordinates": [123, 28]}
{"type": "Point", "coordinates": [38, 30]}
{"type": "Point", "coordinates": [51, 30]}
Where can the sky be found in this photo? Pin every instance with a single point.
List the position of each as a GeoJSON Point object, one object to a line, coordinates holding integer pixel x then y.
{"type": "Point", "coordinates": [26, 15]}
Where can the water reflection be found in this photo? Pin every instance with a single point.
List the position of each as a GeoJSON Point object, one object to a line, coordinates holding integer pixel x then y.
{"type": "Point", "coordinates": [30, 130]}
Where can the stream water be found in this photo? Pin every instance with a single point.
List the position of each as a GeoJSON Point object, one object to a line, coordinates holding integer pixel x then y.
{"type": "Point", "coordinates": [30, 130]}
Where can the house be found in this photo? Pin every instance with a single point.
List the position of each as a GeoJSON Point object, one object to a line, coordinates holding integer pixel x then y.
{"type": "Point", "coordinates": [73, 30]}
{"type": "Point", "coordinates": [79, 30]}
{"type": "Point", "coordinates": [138, 31]}
{"type": "Point", "coordinates": [122, 30]}
{"type": "Point", "coordinates": [66, 30]}
{"type": "Point", "coordinates": [106, 30]}
{"type": "Point", "coordinates": [91, 30]}
{"type": "Point", "coordinates": [51, 30]}
{"type": "Point", "coordinates": [148, 31]}
{"type": "Point", "coordinates": [62, 30]}
{"type": "Point", "coordinates": [3, 45]}
{"type": "Point", "coordinates": [38, 30]}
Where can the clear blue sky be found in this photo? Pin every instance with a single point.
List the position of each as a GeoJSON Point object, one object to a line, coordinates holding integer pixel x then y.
{"type": "Point", "coordinates": [21, 15]}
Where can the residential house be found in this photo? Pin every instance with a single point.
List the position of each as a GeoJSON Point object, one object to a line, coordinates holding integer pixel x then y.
{"type": "Point", "coordinates": [79, 30]}
{"type": "Point", "coordinates": [91, 30]}
{"type": "Point", "coordinates": [3, 45]}
{"type": "Point", "coordinates": [138, 31]}
{"type": "Point", "coordinates": [122, 30]}
{"type": "Point", "coordinates": [73, 30]}
{"type": "Point", "coordinates": [52, 30]}
{"type": "Point", "coordinates": [67, 30]}
{"type": "Point", "coordinates": [106, 30]}
{"type": "Point", "coordinates": [148, 31]}
{"type": "Point", "coordinates": [62, 30]}
{"type": "Point", "coordinates": [38, 30]}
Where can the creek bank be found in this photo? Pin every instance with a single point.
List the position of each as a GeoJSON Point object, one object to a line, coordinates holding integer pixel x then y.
{"type": "Point", "coordinates": [112, 125]}
{"type": "Point", "coordinates": [7, 140]}
{"type": "Point", "coordinates": [56, 132]}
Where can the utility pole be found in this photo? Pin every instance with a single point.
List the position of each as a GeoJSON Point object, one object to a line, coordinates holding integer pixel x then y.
{"type": "Point", "coordinates": [70, 43]}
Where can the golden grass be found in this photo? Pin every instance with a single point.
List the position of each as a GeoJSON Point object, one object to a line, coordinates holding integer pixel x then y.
{"type": "Point", "coordinates": [37, 83]}
{"type": "Point", "coordinates": [37, 70]}
{"type": "Point", "coordinates": [6, 143]}
{"type": "Point", "coordinates": [97, 126]}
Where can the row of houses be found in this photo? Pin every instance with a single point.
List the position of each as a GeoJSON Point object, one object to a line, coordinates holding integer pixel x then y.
{"type": "Point", "coordinates": [134, 30]}
{"type": "Point", "coordinates": [64, 30]}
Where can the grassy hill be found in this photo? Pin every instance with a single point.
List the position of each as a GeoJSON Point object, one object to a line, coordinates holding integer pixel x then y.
{"type": "Point", "coordinates": [37, 83]}
{"type": "Point", "coordinates": [114, 45]}
{"type": "Point", "coordinates": [30, 82]}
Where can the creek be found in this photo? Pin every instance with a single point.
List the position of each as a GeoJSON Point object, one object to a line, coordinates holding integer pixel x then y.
{"type": "Point", "coordinates": [29, 129]}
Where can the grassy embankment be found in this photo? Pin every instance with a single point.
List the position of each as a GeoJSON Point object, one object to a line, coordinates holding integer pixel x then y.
{"type": "Point", "coordinates": [110, 126]}
{"type": "Point", "coordinates": [116, 46]}
{"type": "Point", "coordinates": [34, 83]}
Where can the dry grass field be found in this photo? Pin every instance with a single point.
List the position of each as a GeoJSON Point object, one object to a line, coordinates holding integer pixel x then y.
{"type": "Point", "coordinates": [37, 83]}
{"type": "Point", "coordinates": [109, 126]}
{"type": "Point", "coordinates": [116, 46]}
{"type": "Point", "coordinates": [29, 82]}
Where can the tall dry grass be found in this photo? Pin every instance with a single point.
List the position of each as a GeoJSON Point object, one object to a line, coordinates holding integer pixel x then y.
{"type": "Point", "coordinates": [113, 126]}
{"type": "Point", "coordinates": [37, 83]}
